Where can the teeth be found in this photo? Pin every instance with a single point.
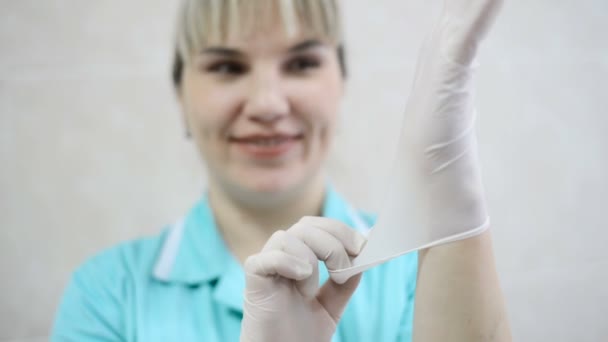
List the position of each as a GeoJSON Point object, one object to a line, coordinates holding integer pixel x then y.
{"type": "Point", "coordinates": [268, 142]}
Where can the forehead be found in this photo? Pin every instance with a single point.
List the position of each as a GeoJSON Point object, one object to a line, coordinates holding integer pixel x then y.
{"type": "Point", "coordinates": [203, 23]}
{"type": "Point", "coordinates": [268, 42]}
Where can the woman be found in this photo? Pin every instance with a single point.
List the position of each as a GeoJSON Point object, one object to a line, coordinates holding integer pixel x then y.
{"type": "Point", "coordinates": [260, 83]}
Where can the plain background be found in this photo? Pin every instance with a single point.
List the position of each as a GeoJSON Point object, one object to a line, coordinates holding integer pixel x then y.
{"type": "Point", "coordinates": [92, 147]}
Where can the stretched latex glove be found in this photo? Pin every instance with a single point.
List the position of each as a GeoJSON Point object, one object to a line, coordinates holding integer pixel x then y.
{"type": "Point", "coordinates": [283, 301]}
{"type": "Point", "coordinates": [435, 193]}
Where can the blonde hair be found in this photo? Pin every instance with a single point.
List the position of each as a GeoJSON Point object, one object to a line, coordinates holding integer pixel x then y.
{"type": "Point", "coordinates": [202, 22]}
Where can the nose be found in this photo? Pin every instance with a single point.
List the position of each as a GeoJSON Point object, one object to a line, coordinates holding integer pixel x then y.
{"type": "Point", "coordinates": [266, 102]}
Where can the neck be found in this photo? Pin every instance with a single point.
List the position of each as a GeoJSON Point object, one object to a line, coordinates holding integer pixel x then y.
{"type": "Point", "coordinates": [246, 227]}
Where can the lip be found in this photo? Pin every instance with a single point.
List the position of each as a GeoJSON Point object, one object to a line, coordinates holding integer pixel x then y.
{"type": "Point", "coordinates": [275, 145]}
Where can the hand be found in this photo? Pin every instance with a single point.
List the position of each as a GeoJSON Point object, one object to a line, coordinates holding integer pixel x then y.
{"type": "Point", "coordinates": [438, 136]}
{"type": "Point", "coordinates": [435, 192]}
{"type": "Point", "coordinates": [283, 301]}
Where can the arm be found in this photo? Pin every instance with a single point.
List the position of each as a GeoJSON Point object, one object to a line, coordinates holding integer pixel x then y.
{"type": "Point", "coordinates": [458, 296]}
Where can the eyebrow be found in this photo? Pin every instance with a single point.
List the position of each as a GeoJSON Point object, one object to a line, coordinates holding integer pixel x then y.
{"type": "Point", "coordinates": [222, 51]}
{"type": "Point", "coordinates": [305, 45]}
{"type": "Point", "coordinates": [230, 52]}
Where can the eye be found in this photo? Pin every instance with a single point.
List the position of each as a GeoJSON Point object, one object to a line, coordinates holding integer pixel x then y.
{"type": "Point", "coordinates": [302, 64]}
{"type": "Point", "coordinates": [227, 68]}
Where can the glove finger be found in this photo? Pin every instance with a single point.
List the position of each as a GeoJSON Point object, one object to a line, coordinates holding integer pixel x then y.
{"type": "Point", "coordinates": [292, 245]}
{"type": "Point", "coordinates": [324, 245]}
{"type": "Point", "coordinates": [465, 23]}
{"type": "Point", "coordinates": [278, 263]}
{"type": "Point", "coordinates": [352, 240]}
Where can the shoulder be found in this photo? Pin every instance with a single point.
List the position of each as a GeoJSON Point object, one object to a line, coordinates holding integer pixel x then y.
{"type": "Point", "coordinates": [116, 271]}
{"type": "Point", "coordinates": [135, 256]}
{"type": "Point", "coordinates": [97, 299]}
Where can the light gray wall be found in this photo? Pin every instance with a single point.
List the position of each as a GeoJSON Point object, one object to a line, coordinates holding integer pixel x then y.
{"type": "Point", "coordinates": [92, 149]}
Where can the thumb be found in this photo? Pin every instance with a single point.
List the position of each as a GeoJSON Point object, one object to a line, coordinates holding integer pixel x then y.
{"type": "Point", "coordinates": [334, 297]}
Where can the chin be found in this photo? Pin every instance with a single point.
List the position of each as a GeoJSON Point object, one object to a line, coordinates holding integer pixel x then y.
{"type": "Point", "coordinates": [273, 184]}
{"type": "Point", "coordinates": [277, 184]}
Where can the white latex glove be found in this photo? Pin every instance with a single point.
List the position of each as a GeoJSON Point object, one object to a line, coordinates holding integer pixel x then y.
{"type": "Point", "coordinates": [283, 301]}
{"type": "Point", "coordinates": [435, 192]}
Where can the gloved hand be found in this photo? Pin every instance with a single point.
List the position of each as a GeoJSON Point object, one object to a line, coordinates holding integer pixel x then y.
{"type": "Point", "coordinates": [435, 193]}
{"type": "Point", "coordinates": [283, 301]}
{"type": "Point", "coordinates": [438, 136]}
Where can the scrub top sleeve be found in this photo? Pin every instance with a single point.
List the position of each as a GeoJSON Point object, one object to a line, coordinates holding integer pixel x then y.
{"type": "Point", "coordinates": [407, 317]}
{"type": "Point", "coordinates": [92, 305]}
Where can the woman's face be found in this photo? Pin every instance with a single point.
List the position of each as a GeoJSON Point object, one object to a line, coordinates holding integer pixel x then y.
{"type": "Point", "coordinates": [262, 109]}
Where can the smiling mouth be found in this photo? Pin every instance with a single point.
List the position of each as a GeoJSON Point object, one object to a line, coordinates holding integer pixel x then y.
{"type": "Point", "coordinates": [267, 147]}
{"type": "Point", "coordinates": [266, 141]}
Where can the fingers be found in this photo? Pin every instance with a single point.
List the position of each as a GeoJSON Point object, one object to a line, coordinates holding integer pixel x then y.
{"type": "Point", "coordinates": [283, 241]}
{"type": "Point", "coordinates": [474, 16]}
{"type": "Point", "coordinates": [331, 241]}
{"type": "Point", "coordinates": [293, 254]}
{"type": "Point", "coordinates": [277, 262]}
{"type": "Point", "coordinates": [465, 24]}
{"type": "Point", "coordinates": [351, 240]}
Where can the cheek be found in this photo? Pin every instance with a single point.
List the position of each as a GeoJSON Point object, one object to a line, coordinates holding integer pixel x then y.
{"type": "Point", "coordinates": [210, 109]}
{"type": "Point", "coordinates": [209, 117]}
{"type": "Point", "coordinates": [321, 105]}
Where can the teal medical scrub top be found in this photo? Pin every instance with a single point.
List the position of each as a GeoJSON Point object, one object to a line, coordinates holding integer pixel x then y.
{"type": "Point", "coordinates": [184, 285]}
